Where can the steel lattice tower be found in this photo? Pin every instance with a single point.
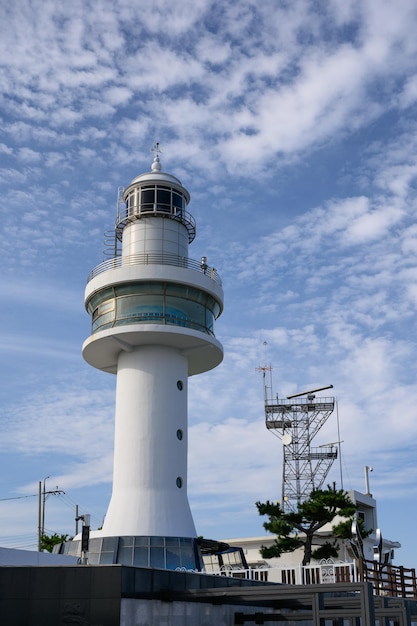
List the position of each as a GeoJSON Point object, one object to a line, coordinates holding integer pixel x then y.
{"type": "Point", "coordinates": [296, 421]}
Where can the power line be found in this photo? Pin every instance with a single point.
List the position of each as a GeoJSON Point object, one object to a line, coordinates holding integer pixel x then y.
{"type": "Point", "coordinates": [71, 503]}
{"type": "Point", "coordinates": [25, 541]}
{"type": "Point", "coordinates": [34, 495]}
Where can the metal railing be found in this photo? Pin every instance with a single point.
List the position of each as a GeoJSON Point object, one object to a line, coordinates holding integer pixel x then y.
{"type": "Point", "coordinates": [283, 405]}
{"type": "Point", "coordinates": [388, 580]}
{"type": "Point", "coordinates": [327, 571]}
{"type": "Point", "coordinates": [137, 212]}
{"type": "Point", "coordinates": [155, 258]}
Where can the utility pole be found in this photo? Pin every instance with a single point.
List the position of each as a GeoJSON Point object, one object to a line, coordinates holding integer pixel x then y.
{"type": "Point", "coordinates": [40, 516]}
{"type": "Point", "coordinates": [41, 509]}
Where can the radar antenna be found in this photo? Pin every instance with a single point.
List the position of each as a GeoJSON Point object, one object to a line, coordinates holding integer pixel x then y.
{"type": "Point", "coordinates": [309, 393]}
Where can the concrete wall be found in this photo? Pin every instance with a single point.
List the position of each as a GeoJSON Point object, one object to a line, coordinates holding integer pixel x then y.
{"type": "Point", "coordinates": [156, 613]}
{"type": "Point", "coordinates": [11, 556]}
{"type": "Point", "coordinates": [108, 595]}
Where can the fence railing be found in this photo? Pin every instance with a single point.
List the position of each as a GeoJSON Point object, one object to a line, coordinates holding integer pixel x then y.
{"type": "Point", "coordinates": [155, 258]}
{"type": "Point", "coordinates": [327, 571]}
{"type": "Point", "coordinates": [387, 580]}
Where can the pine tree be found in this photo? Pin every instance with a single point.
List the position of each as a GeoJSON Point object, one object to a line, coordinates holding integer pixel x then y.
{"type": "Point", "coordinates": [299, 528]}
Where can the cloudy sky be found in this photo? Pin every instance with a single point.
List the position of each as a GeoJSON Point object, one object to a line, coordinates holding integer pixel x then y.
{"type": "Point", "coordinates": [293, 126]}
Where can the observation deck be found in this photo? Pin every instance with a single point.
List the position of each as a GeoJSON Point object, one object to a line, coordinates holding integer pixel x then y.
{"type": "Point", "coordinates": [290, 411]}
{"type": "Point", "coordinates": [135, 212]}
{"type": "Point", "coordinates": [156, 258]}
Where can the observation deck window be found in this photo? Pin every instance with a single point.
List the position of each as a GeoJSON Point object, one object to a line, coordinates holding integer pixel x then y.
{"type": "Point", "coordinates": [177, 200]}
{"type": "Point", "coordinates": [147, 199]}
{"type": "Point", "coordinates": [154, 303]}
{"type": "Point", "coordinates": [163, 199]}
{"type": "Point", "coordinates": [164, 552]}
{"type": "Point", "coordinates": [155, 198]}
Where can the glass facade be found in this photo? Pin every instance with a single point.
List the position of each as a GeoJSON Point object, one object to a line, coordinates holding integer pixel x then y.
{"type": "Point", "coordinates": [151, 198]}
{"type": "Point", "coordinates": [160, 552]}
{"type": "Point", "coordinates": [146, 200]}
{"type": "Point", "coordinates": [153, 303]}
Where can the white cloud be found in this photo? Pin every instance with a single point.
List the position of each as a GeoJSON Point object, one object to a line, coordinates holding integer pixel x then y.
{"type": "Point", "coordinates": [294, 129]}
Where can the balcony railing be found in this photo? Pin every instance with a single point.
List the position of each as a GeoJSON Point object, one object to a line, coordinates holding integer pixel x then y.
{"type": "Point", "coordinates": [299, 405]}
{"type": "Point", "coordinates": [156, 258]}
{"type": "Point", "coordinates": [137, 212]}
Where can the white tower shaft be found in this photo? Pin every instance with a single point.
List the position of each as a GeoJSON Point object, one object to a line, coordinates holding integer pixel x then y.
{"type": "Point", "coordinates": [150, 448]}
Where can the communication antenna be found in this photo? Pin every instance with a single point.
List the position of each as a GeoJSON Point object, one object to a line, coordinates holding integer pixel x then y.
{"type": "Point", "coordinates": [296, 421]}
{"type": "Point", "coordinates": [264, 369]}
{"type": "Point", "coordinates": [340, 445]}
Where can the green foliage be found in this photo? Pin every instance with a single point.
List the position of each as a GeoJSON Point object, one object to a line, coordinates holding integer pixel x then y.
{"type": "Point", "coordinates": [299, 528]}
{"type": "Point", "coordinates": [49, 541]}
{"type": "Point", "coordinates": [326, 551]}
{"type": "Point", "coordinates": [343, 530]}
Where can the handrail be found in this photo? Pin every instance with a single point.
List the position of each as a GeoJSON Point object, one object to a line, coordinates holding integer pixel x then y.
{"type": "Point", "coordinates": [155, 258]}
{"type": "Point", "coordinates": [137, 212]}
{"type": "Point", "coordinates": [298, 402]}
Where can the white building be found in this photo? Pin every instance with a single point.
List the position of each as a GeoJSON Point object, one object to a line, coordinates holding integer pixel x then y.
{"type": "Point", "coordinates": [374, 546]}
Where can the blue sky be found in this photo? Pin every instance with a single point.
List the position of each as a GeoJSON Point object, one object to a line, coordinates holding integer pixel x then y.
{"type": "Point", "coordinates": [293, 126]}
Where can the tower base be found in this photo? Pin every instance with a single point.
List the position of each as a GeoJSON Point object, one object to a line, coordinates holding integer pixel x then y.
{"type": "Point", "coordinates": [172, 553]}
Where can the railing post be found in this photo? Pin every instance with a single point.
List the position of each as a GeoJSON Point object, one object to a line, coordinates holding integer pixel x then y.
{"type": "Point", "coordinates": [355, 572]}
{"type": "Point", "coordinates": [402, 581]}
{"type": "Point", "coordinates": [413, 582]}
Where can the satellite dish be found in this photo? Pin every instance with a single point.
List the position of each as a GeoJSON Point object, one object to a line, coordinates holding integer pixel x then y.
{"type": "Point", "coordinates": [286, 439]}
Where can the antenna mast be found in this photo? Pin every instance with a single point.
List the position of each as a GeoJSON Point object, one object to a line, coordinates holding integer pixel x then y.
{"type": "Point", "coordinates": [264, 369]}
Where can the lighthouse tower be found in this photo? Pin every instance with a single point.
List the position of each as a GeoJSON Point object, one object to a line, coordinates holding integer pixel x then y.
{"type": "Point", "coordinates": [153, 310]}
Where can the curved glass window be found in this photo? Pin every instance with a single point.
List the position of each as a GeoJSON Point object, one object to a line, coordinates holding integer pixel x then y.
{"type": "Point", "coordinates": [160, 200]}
{"type": "Point", "coordinates": [147, 199]}
{"type": "Point", "coordinates": [155, 198]}
{"type": "Point", "coordinates": [131, 202]}
{"type": "Point", "coordinates": [165, 552]}
{"type": "Point", "coordinates": [163, 199]}
{"type": "Point", "coordinates": [99, 297]}
{"type": "Point", "coordinates": [178, 200]}
{"type": "Point", "coordinates": [153, 303]}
